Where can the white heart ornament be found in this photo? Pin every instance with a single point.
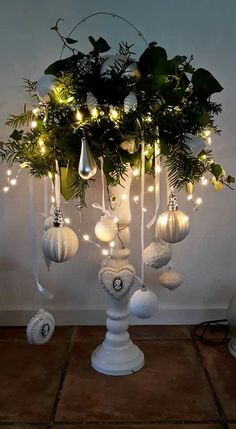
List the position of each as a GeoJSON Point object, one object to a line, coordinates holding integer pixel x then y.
{"type": "Point", "coordinates": [117, 283]}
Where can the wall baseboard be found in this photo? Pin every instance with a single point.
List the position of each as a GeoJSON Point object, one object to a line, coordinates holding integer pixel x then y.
{"type": "Point", "coordinates": [93, 316]}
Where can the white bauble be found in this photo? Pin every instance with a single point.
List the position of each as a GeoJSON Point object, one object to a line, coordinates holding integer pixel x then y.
{"type": "Point", "coordinates": [105, 230]}
{"type": "Point", "coordinates": [170, 279]}
{"type": "Point", "coordinates": [44, 86]}
{"type": "Point", "coordinates": [118, 60]}
{"type": "Point", "coordinates": [195, 144]}
{"type": "Point", "coordinates": [143, 303]}
{"type": "Point", "coordinates": [157, 254]}
{"type": "Point", "coordinates": [40, 328]}
{"type": "Point", "coordinates": [59, 244]}
{"type": "Point", "coordinates": [172, 226]}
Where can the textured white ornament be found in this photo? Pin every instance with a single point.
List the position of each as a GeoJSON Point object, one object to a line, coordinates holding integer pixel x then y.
{"type": "Point", "coordinates": [130, 102]}
{"type": "Point", "coordinates": [157, 254]}
{"type": "Point", "coordinates": [105, 230]}
{"type": "Point", "coordinates": [59, 244]}
{"type": "Point", "coordinates": [91, 101]}
{"type": "Point", "coordinates": [117, 283]}
{"type": "Point", "coordinates": [195, 144]}
{"type": "Point", "coordinates": [40, 328]}
{"type": "Point", "coordinates": [143, 303]}
{"type": "Point", "coordinates": [232, 325]}
{"type": "Point", "coordinates": [112, 61]}
{"type": "Point", "coordinates": [170, 279]}
{"type": "Point", "coordinates": [44, 86]}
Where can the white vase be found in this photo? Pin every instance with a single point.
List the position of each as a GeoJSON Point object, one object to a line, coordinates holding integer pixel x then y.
{"type": "Point", "coordinates": [118, 355]}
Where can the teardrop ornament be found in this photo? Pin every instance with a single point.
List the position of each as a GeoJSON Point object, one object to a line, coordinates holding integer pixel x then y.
{"type": "Point", "coordinates": [87, 164]}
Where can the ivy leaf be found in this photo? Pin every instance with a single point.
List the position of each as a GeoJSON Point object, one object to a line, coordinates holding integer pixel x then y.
{"type": "Point", "coordinates": [67, 178]}
{"type": "Point", "coordinates": [65, 65]}
{"type": "Point", "coordinates": [205, 83]}
{"type": "Point", "coordinates": [216, 170]}
{"type": "Point", "coordinates": [70, 41]}
{"type": "Point", "coordinates": [153, 60]}
{"type": "Point", "coordinates": [230, 179]}
{"type": "Point", "coordinates": [99, 45]}
{"type": "Point", "coordinates": [16, 135]}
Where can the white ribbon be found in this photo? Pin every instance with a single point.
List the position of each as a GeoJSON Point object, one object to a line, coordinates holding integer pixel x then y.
{"type": "Point", "coordinates": [156, 183]}
{"type": "Point", "coordinates": [103, 206]}
{"type": "Point", "coordinates": [105, 212]}
{"type": "Point", "coordinates": [57, 186]}
{"type": "Point", "coordinates": [142, 208]}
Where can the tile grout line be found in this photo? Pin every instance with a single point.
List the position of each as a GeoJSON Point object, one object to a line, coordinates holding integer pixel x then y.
{"type": "Point", "coordinates": [61, 381]}
{"type": "Point", "coordinates": [211, 385]}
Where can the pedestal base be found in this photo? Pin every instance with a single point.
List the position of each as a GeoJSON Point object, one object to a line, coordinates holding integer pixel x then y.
{"type": "Point", "coordinates": [232, 347]}
{"type": "Point", "coordinates": [117, 361]}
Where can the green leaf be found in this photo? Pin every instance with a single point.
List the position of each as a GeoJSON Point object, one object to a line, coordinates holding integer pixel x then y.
{"type": "Point", "coordinates": [205, 83]}
{"type": "Point", "coordinates": [153, 60]}
{"type": "Point", "coordinates": [216, 170]}
{"type": "Point", "coordinates": [99, 45]}
{"type": "Point", "coordinates": [67, 178]}
{"type": "Point", "coordinates": [16, 135]}
{"type": "Point", "coordinates": [70, 41]}
{"type": "Point", "coordinates": [65, 65]}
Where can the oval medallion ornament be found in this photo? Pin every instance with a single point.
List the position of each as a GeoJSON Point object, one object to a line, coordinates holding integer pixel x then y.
{"type": "Point", "coordinates": [118, 284]}
{"type": "Point", "coordinates": [40, 328]}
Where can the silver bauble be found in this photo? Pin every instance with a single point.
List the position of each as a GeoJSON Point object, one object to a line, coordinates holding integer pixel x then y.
{"type": "Point", "coordinates": [195, 144]}
{"type": "Point", "coordinates": [157, 254]}
{"type": "Point", "coordinates": [87, 164]}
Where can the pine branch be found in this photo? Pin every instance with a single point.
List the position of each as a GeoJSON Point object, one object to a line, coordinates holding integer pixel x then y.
{"type": "Point", "coordinates": [16, 121]}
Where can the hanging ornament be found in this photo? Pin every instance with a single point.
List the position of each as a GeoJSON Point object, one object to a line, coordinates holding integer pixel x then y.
{"type": "Point", "coordinates": [170, 279]}
{"type": "Point", "coordinates": [172, 225]}
{"type": "Point", "coordinates": [91, 102]}
{"type": "Point", "coordinates": [157, 254]}
{"type": "Point", "coordinates": [143, 303]}
{"type": "Point", "coordinates": [105, 230]}
{"type": "Point", "coordinates": [87, 164]}
{"type": "Point", "coordinates": [130, 146]}
{"type": "Point", "coordinates": [117, 283]}
{"type": "Point", "coordinates": [130, 102]}
{"type": "Point", "coordinates": [40, 328]}
{"type": "Point", "coordinates": [49, 221]}
{"type": "Point", "coordinates": [59, 243]}
{"type": "Point", "coordinates": [44, 86]}
{"type": "Point", "coordinates": [113, 61]}
{"type": "Point", "coordinates": [195, 144]}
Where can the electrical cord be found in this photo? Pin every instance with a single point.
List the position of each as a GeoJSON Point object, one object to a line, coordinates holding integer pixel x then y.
{"type": "Point", "coordinates": [203, 331]}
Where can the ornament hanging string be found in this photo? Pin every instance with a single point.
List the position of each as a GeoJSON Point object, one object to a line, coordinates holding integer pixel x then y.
{"type": "Point", "coordinates": [157, 181]}
{"type": "Point", "coordinates": [142, 209]}
{"type": "Point", "coordinates": [110, 14]}
{"type": "Point", "coordinates": [103, 206]}
{"type": "Point", "coordinates": [34, 253]}
{"type": "Point", "coordinates": [57, 186]}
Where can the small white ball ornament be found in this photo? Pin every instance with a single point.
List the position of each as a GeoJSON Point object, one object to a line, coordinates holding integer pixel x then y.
{"type": "Point", "coordinates": [157, 254]}
{"type": "Point", "coordinates": [105, 230]}
{"type": "Point", "coordinates": [59, 243]}
{"type": "Point", "coordinates": [143, 303]}
{"type": "Point", "coordinates": [170, 279]}
{"type": "Point", "coordinates": [44, 86]}
{"type": "Point", "coordinates": [173, 225]}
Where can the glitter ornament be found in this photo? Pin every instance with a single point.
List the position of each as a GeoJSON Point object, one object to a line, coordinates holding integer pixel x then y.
{"type": "Point", "coordinates": [116, 283]}
{"type": "Point", "coordinates": [87, 164]}
{"type": "Point", "coordinates": [105, 230]}
{"type": "Point", "coordinates": [173, 225]}
{"type": "Point", "coordinates": [143, 303]}
{"type": "Point", "coordinates": [44, 86]}
{"type": "Point", "coordinates": [195, 144]}
{"type": "Point", "coordinates": [130, 102]}
{"type": "Point", "coordinates": [59, 243]}
{"type": "Point", "coordinates": [157, 254]}
{"type": "Point", "coordinates": [170, 279]}
{"type": "Point", "coordinates": [40, 328]}
{"type": "Point", "coordinates": [91, 101]}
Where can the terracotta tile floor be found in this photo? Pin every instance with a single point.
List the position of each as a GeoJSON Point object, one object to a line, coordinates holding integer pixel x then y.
{"type": "Point", "coordinates": [183, 384]}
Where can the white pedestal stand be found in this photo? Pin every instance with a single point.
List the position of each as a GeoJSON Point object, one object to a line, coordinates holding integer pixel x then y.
{"type": "Point", "coordinates": [118, 355]}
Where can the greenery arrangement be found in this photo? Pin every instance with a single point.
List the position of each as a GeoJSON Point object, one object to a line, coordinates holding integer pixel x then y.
{"type": "Point", "coordinates": [116, 102]}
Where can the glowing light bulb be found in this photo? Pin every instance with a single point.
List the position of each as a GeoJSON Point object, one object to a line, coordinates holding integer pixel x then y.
{"type": "Point", "coordinates": [41, 142]}
{"type": "Point", "coordinates": [33, 124]}
{"type": "Point", "coordinates": [136, 172]}
{"type": "Point", "coordinates": [199, 201]}
{"type": "Point", "coordinates": [79, 116]}
{"type": "Point", "coordinates": [150, 188]}
{"type": "Point", "coordinates": [115, 220]}
{"type": "Point", "coordinates": [42, 150]}
{"type": "Point", "coordinates": [114, 114]}
{"type": "Point", "coordinates": [207, 133]}
{"type": "Point", "coordinates": [189, 197]}
{"type": "Point", "coordinates": [144, 210]}
{"type": "Point", "coordinates": [124, 197]}
{"type": "Point", "coordinates": [86, 237]}
{"type": "Point", "coordinates": [13, 182]}
{"type": "Point", "coordinates": [158, 169]}
{"type": "Point", "coordinates": [6, 189]}
{"type": "Point", "coordinates": [112, 244]}
{"type": "Point", "coordinates": [9, 172]}
{"type": "Point", "coordinates": [94, 113]}
{"type": "Point", "coordinates": [67, 220]}
{"type": "Point", "coordinates": [36, 111]}
{"type": "Point", "coordinates": [70, 99]}
{"type": "Point", "coordinates": [53, 199]}
{"type": "Point", "coordinates": [50, 175]}
{"type": "Point", "coordinates": [204, 181]}
{"type": "Point", "coordinates": [148, 119]}
{"type": "Point", "coordinates": [209, 140]}
{"type": "Point", "coordinates": [105, 252]}
{"type": "Point", "coordinates": [136, 198]}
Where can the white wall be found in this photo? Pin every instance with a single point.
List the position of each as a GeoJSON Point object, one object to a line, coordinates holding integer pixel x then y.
{"type": "Point", "coordinates": [206, 259]}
